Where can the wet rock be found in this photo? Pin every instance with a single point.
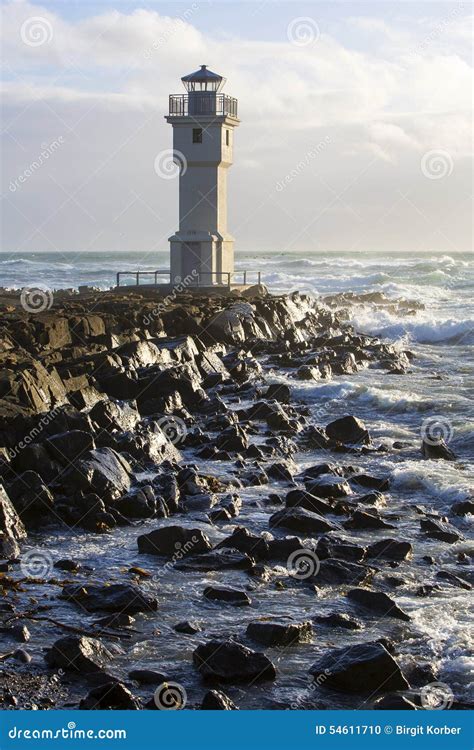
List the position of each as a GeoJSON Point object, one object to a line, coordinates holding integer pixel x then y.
{"type": "Point", "coordinates": [32, 500]}
{"type": "Point", "coordinates": [454, 580]}
{"type": "Point", "coordinates": [339, 620]}
{"type": "Point", "coordinates": [233, 439]}
{"type": "Point", "coordinates": [12, 530]}
{"type": "Point", "coordinates": [308, 501]}
{"type": "Point", "coordinates": [138, 503]}
{"type": "Point", "coordinates": [298, 519]}
{"type": "Point", "coordinates": [279, 392]}
{"type": "Point", "coordinates": [437, 450]}
{"type": "Point", "coordinates": [173, 540]}
{"type": "Point", "coordinates": [189, 627]}
{"type": "Point", "coordinates": [348, 430]}
{"type": "Point", "coordinates": [280, 473]}
{"type": "Point", "coordinates": [463, 508]}
{"type": "Point", "coordinates": [390, 549]}
{"type": "Point", "coordinates": [362, 668]}
{"type": "Point", "coordinates": [326, 487]}
{"type": "Point", "coordinates": [313, 438]}
{"type": "Point", "coordinates": [218, 559]}
{"type": "Point", "coordinates": [228, 595]}
{"type": "Point", "coordinates": [78, 654]}
{"type": "Point", "coordinates": [69, 446]}
{"type": "Point", "coordinates": [281, 549]}
{"type": "Point", "coordinates": [147, 677]}
{"type": "Point", "coordinates": [379, 602]}
{"type": "Point", "coordinates": [111, 695]}
{"type": "Point", "coordinates": [106, 472]}
{"type": "Point", "coordinates": [119, 620]}
{"type": "Point", "coordinates": [229, 661]}
{"type": "Point", "coordinates": [337, 572]}
{"type": "Point", "coordinates": [444, 532]}
{"type": "Point", "coordinates": [72, 566]}
{"type": "Point", "coordinates": [241, 539]}
{"type": "Point", "coordinates": [394, 702]}
{"type": "Point", "coordinates": [215, 700]}
{"type": "Point", "coordinates": [119, 597]}
{"type": "Point", "coordinates": [271, 633]}
{"type": "Point", "coordinates": [335, 547]}
{"type": "Point", "coordinates": [373, 483]}
{"type": "Point", "coordinates": [21, 655]}
{"type": "Point", "coordinates": [362, 520]}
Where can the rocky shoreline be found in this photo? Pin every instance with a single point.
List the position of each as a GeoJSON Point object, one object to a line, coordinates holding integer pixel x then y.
{"type": "Point", "coordinates": [144, 414]}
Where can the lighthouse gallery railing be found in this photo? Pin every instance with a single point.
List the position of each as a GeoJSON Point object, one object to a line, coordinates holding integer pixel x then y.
{"type": "Point", "coordinates": [182, 105]}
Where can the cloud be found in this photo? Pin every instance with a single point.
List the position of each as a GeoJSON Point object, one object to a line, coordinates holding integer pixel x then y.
{"type": "Point", "coordinates": [102, 83]}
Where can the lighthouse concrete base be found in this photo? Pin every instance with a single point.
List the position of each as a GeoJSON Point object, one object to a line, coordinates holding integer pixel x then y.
{"type": "Point", "coordinates": [208, 258]}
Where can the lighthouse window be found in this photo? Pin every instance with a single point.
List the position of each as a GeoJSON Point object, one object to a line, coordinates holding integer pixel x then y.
{"type": "Point", "coordinates": [197, 135]}
{"type": "Point", "coordinates": [227, 137]}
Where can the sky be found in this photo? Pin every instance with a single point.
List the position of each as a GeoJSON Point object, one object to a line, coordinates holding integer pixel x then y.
{"type": "Point", "coordinates": [355, 133]}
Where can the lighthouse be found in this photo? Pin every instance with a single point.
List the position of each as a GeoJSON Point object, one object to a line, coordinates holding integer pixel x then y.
{"type": "Point", "coordinates": [203, 121]}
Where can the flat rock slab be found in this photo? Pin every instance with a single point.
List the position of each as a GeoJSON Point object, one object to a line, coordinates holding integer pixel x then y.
{"type": "Point", "coordinates": [119, 597]}
{"type": "Point", "coordinates": [229, 661]}
{"type": "Point", "coordinates": [362, 668]}
{"type": "Point", "coordinates": [178, 541]}
{"type": "Point", "coordinates": [378, 602]}
{"type": "Point", "coordinates": [271, 633]}
{"type": "Point", "coordinates": [298, 519]}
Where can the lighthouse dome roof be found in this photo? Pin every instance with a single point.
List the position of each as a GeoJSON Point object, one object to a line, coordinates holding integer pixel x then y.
{"type": "Point", "coordinates": [203, 80]}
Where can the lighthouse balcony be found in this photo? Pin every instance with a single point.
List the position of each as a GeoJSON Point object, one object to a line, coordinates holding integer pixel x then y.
{"type": "Point", "coordinates": [202, 103]}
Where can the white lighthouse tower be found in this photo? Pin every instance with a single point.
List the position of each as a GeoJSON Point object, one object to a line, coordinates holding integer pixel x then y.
{"type": "Point", "coordinates": [203, 123]}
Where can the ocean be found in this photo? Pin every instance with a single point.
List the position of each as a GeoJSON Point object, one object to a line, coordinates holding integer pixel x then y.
{"type": "Point", "coordinates": [437, 394]}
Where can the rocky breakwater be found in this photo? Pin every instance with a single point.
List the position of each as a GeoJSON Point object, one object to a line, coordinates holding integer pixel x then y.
{"type": "Point", "coordinates": [111, 404]}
